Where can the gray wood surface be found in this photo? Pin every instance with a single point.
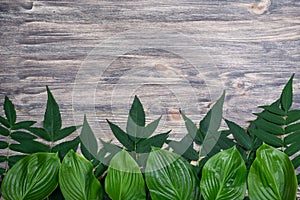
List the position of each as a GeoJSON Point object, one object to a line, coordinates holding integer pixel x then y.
{"type": "Point", "coordinates": [96, 55]}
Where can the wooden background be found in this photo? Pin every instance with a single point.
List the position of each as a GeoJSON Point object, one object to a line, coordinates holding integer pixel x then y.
{"type": "Point", "coordinates": [96, 55]}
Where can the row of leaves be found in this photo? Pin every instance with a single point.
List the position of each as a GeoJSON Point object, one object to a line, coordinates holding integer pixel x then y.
{"type": "Point", "coordinates": [167, 176]}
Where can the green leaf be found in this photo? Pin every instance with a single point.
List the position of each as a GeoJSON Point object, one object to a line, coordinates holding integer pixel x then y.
{"type": "Point", "coordinates": [64, 147]}
{"type": "Point", "coordinates": [3, 145]}
{"type": "Point", "coordinates": [240, 134]}
{"type": "Point", "coordinates": [273, 109]}
{"type": "Point", "coordinates": [292, 138]}
{"type": "Point", "coordinates": [52, 117]}
{"type": "Point", "coordinates": [87, 137]}
{"type": "Point", "coordinates": [273, 118]}
{"type": "Point", "coordinates": [293, 116]}
{"type": "Point", "coordinates": [292, 149]}
{"type": "Point", "coordinates": [192, 128]}
{"type": "Point", "coordinates": [267, 137]}
{"type": "Point", "coordinates": [40, 132]}
{"type": "Point", "coordinates": [286, 97]}
{"type": "Point", "coordinates": [124, 179]}
{"type": "Point", "coordinates": [224, 176]}
{"type": "Point", "coordinates": [168, 176]}
{"type": "Point", "coordinates": [137, 113]}
{"type": "Point", "coordinates": [268, 126]}
{"type": "Point", "coordinates": [76, 179]}
{"type": "Point", "coordinates": [10, 111]}
{"type": "Point", "coordinates": [21, 136]}
{"type": "Point", "coordinates": [23, 125]}
{"type": "Point", "coordinates": [2, 171]}
{"type": "Point", "coordinates": [4, 131]}
{"type": "Point", "coordinates": [296, 161]}
{"type": "Point", "coordinates": [34, 177]}
{"type": "Point", "coordinates": [65, 132]}
{"type": "Point", "coordinates": [271, 176]}
{"type": "Point", "coordinates": [121, 136]}
{"type": "Point", "coordinates": [14, 159]}
{"type": "Point", "coordinates": [4, 122]}
{"type": "Point", "coordinates": [210, 126]}
{"type": "Point", "coordinates": [3, 158]}
{"type": "Point", "coordinates": [144, 146]}
{"type": "Point", "coordinates": [29, 146]}
{"type": "Point", "coordinates": [108, 148]}
{"type": "Point", "coordinates": [292, 128]}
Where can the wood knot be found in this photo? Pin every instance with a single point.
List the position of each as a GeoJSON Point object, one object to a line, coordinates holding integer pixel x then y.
{"type": "Point", "coordinates": [261, 7]}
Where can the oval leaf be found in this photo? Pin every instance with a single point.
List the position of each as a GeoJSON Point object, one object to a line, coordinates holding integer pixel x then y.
{"type": "Point", "coordinates": [76, 179]}
{"type": "Point", "coordinates": [33, 177]}
{"type": "Point", "coordinates": [168, 176]}
{"type": "Point", "coordinates": [124, 179]}
{"type": "Point", "coordinates": [224, 176]}
{"type": "Point", "coordinates": [272, 176]}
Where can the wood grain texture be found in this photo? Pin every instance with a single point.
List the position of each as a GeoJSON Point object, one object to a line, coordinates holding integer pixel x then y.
{"type": "Point", "coordinates": [248, 48]}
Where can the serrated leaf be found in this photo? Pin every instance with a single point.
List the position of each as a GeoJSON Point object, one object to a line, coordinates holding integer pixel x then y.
{"type": "Point", "coordinates": [3, 145]}
{"type": "Point", "coordinates": [23, 125]}
{"type": "Point", "coordinates": [4, 131]}
{"type": "Point", "coordinates": [124, 179]}
{"type": "Point", "coordinates": [121, 136]}
{"type": "Point", "coordinates": [271, 176]}
{"type": "Point", "coordinates": [52, 118]}
{"type": "Point", "coordinates": [40, 132]}
{"type": "Point", "coordinates": [240, 134]}
{"type": "Point", "coordinates": [212, 123]}
{"type": "Point", "coordinates": [292, 128]}
{"type": "Point", "coordinates": [137, 113]}
{"type": "Point", "coordinates": [268, 126]}
{"type": "Point", "coordinates": [4, 122]}
{"type": "Point", "coordinates": [224, 176]}
{"type": "Point", "coordinates": [267, 137]}
{"type": "Point", "coordinates": [192, 128]}
{"type": "Point", "coordinates": [168, 176]}
{"type": "Point", "coordinates": [28, 146]}
{"type": "Point", "coordinates": [10, 111]}
{"type": "Point", "coordinates": [65, 132]}
{"type": "Point", "coordinates": [286, 97]}
{"type": "Point", "coordinates": [34, 177]}
{"type": "Point", "coordinates": [76, 179]}
{"type": "Point", "coordinates": [64, 147]}
{"type": "Point", "coordinates": [21, 136]}
{"type": "Point", "coordinates": [273, 118]}
{"type": "Point", "coordinates": [144, 146]}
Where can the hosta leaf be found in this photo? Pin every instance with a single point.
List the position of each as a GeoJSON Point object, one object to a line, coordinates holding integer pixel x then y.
{"type": "Point", "coordinates": [87, 137]}
{"type": "Point", "coordinates": [76, 179]}
{"type": "Point", "coordinates": [121, 136]}
{"type": "Point", "coordinates": [272, 176]}
{"type": "Point", "coordinates": [267, 137]}
{"type": "Point", "coordinates": [144, 146]}
{"type": "Point", "coordinates": [34, 177]}
{"type": "Point", "coordinates": [10, 111]}
{"type": "Point", "coordinates": [23, 125]}
{"type": "Point", "coordinates": [168, 176]}
{"type": "Point", "coordinates": [20, 136]}
{"type": "Point", "coordinates": [4, 122]}
{"type": "Point", "coordinates": [3, 145]}
{"type": "Point", "coordinates": [64, 147]}
{"type": "Point", "coordinates": [210, 126]}
{"type": "Point", "coordinates": [286, 97]}
{"type": "Point", "coordinates": [240, 134]}
{"type": "Point", "coordinates": [124, 179]}
{"type": "Point", "coordinates": [224, 176]}
{"type": "Point", "coordinates": [4, 131]}
{"type": "Point", "coordinates": [52, 117]}
{"type": "Point", "coordinates": [65, 132]}
{"type": "Point", "coordinates": [273, 118]}
{"type": "Point", "coordinates": [137, 113]}
{"type": "Point", "coordinates": [29, 146]}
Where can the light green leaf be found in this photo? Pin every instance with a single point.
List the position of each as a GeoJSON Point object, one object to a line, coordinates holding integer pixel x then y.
{"type": "Point", "coordinates": [224, 176]}
{"type": "Point", "coordinates": [124, 179]}
{"type": "Point", "coordinates": [272, 176]}
{"type": "Point", "coordinates": [286, 98]}
{"type": "Point", "coordinates": [34, 177]}
{"type": "Point", "coordinates": [76, 179]}
{"type": "Point", "coordinates": [168, 176]}
{"type": "Point", "coordinates": [10, 112]}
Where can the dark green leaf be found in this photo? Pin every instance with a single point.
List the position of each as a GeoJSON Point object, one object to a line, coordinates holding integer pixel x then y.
{"type": "Point", "coordinates": [21, 136]}
{"type": "Point", "coordinates": [286, 97]}
{"type": "Point", "coordinates": [273, 118]}
{"type": "Point", "coordinates": [137, 113]}
{"type": "Point", "coordinates": [224, 176]}
{"type": "Point", "coordinates": [292, 138]}
{"type": "Point", "coordinates": [273, 109]}
{"type": "Point", "coordinates": [52, 117]}
{"type": "Point", "coordinates": [3, 158]}
{"type": "Point", "coordinates": [267, 137]}
{"type": "Point", "coordinates": [4, 131]}
{"type": "Point", "coordinates": [56, 195]}
{"type": "Point", "coordinates": [293, 116]}
{"type": "Point", "coordinates": [298, 178]}
{"type": "Point", "coordinates": [292, 128]}
{"type": "Point", "coordinates": [23, 125]}
{"type": "Point", "coordinates": [271, 176]}
{"type": "Point", "coordinates": [87, 138]}
{"type": "Point", "coordinates": [14, 159]}
{"type": "Point", "coordinates": [296, 162]}
{"type": "Point", "coordinates": [124, 179]}
{"type": "Point", "coordinates": [10, 111]}
{"type": "Point", "coordinates": [121, 136]}
{"type": "Point", "coordinates": [65, 132]}
{"type": "Point", "coordinates": [28, 146]}
{"type": "Point", "coordinates": [240, 134]}
{"type": "Point", "coordinates": [2, 171]}
{"type": "Point", "coordinates": [34, 177]}
{"type": "Point", "coordinates": [40, 132]}
{"type": "Point", "coordinates": [225, 143]}
{"type": "Point", "coordinates": [168, 176]}
{"type": "Point", "coordinates": [76, 179]}
{"type": "Point", "coordinates": [292, 149]}
{"type": "Point", "coordinates": [192, 128]}
{"type": "Point", "coordinates": [4, 122]}
{"type": "Point", "coordinates": [110, 148]}
{"type": "Point", "coordinates": [86, 153]}
{"type": "Point", "coordinates": [3, 145]}
{"type": "Point", "coordinates": [99, 171]}
{"type": "Point", "coordinates": [268, 126]}
{"type": "Point", "coordinates": [144, 146]}
{"type": "Point", "coordinates": [64, 147]}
